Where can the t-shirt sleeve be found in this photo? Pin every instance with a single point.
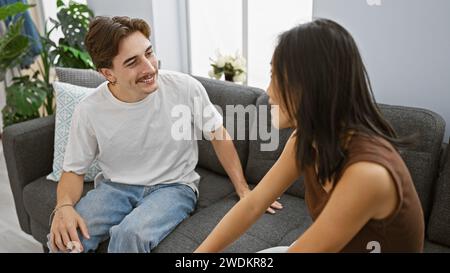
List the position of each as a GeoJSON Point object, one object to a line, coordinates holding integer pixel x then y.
{"type": "Point", "coordinates": [82, 147]}
{"type": "Point", "coordinates": [205, 115]}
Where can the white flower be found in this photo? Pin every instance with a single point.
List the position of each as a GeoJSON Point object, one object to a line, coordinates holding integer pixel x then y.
{"type": "Point", "coordinates": [221, 60]}
{"type": "Point", "coordinates": [211, 74]}
{"type": "Point", "coordinates": [239, 64]}
{"type": "Point", "coordinates": [228, 64]}
{"type": "Point", "coordinates": [239, 77]}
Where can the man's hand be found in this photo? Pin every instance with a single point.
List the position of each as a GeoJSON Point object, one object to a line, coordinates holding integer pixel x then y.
{"type": "Point", "coordinates": [63, 232]}
{"type": "Point", "coordinates": [271, 209]}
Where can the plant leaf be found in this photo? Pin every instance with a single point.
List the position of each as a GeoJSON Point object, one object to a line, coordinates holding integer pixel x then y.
{"type": "Point", "coordinates": [13, 9]}
{"type": "Point", "coordinates": [59, 3]}
{"type": "Point", "coordinates": [25, 96]}
{"type": "Point", "coordinates": [13, 46]}
{"type": "Point", "coordinates": [54, 22]}
{"type": "Point", "coordinates": [73, 57]}
{"type": "Point", "coordinates": [74, 21]}
{"type": "Point", "coordinates": [10, 116]}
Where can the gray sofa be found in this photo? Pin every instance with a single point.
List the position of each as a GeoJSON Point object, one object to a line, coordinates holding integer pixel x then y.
{"type": "Point", "coordinates": [28, 151]}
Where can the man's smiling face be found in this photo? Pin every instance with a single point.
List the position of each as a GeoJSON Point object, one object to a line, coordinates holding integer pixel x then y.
{"type": "Point", "coordinates": [135, 68]}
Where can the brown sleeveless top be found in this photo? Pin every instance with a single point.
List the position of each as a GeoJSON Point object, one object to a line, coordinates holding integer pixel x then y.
{"type": "Point", "coordinates": [403, 230]}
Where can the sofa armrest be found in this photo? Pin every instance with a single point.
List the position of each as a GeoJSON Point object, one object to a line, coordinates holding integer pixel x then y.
{"type": "Point", "coordinates": [444, 155]}
{"type": "Point", "coordinates": [438, 227]}
{"type": "Point", "coordinates": [28, 150]}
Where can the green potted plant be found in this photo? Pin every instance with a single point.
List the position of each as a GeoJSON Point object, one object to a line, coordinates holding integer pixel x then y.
{"type": "Point", "coordinates": [73, 20]}
{"type": "Point", "coordinates": [29, 97]}
{"type": "Point", "coordinates": [26, 94]}
{"type": "Point", "coordinates": [13, 45]}
{"type": "Point", "coordinates": [232, 66]}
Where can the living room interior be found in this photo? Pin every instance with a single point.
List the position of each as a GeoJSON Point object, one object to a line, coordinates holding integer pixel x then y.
{"type": "Point", "coordinates": [404, 44]}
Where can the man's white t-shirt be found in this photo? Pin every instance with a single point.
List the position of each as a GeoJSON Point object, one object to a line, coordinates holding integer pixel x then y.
{"type": "Point", "coordinates": [138, 143]}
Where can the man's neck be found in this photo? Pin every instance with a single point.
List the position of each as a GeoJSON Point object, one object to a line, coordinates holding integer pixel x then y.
{"type": "Point", "coordinates": [123, 95]}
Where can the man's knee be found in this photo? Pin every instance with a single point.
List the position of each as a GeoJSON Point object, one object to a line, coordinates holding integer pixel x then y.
{"type": "Point", "coordinates": [129, 238]}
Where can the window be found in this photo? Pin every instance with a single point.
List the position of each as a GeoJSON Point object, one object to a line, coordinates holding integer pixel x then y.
{"type": "Point", "coordinates": [214, 24]}
{"type": "Point", "coordinates": [248, 26]}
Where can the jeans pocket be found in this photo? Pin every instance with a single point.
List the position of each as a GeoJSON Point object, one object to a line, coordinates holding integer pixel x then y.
{"type": "Point", "coordinates": [190, 191]}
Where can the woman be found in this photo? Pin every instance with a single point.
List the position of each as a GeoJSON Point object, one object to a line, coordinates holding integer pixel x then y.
{"type": "Point", "coordinates": [358, 190]}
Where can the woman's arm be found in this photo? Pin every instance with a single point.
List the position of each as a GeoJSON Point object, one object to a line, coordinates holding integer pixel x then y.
{"type": "Point", "coordinates": [366, 191]}
{"type": "Point", "coordinates": [250, 208]}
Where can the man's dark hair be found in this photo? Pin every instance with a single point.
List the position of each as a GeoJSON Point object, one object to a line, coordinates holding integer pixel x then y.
{"type": "Point", "coordinates": [105, 34]}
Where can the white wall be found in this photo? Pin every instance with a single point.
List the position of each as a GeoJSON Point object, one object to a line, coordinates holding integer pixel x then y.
{"type": "Point", "coordinates": [171, 34]}
{"type": "Point", "coordinates": [166, 18]}
{"type": "Point", "coordinates": [134, 8]}
{"type": "Point", "coordinates": [406, 47]}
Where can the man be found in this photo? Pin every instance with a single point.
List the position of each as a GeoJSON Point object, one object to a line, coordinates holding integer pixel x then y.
{"type": "Point", "coordinates": [148, 184]}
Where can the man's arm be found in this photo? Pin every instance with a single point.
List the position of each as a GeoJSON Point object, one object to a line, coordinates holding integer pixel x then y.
{"type": "Point", "coordinates": [228, 157]}
{"type": "Point", "coordinates": [81, 149]}
{"type": "Point", "coordinates": [65, 219]}
{"type": "Point", "coordinates": [70, 188]}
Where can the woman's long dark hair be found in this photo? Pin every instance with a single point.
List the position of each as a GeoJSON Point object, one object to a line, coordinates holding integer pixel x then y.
{"type": "Point", "coordinates": [324, 86]}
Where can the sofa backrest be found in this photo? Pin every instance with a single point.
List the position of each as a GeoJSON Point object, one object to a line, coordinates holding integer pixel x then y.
{"type": "Point", "coordinates": [260, 159]}
{"type": "Point", "coordinates": [220, 94]}
{"type": "Point", "coordinates": [231, 99]}
{"type": "Point", "coordinates": [81, 77]}
{"type": "Point", "coordinates": [423, 158]}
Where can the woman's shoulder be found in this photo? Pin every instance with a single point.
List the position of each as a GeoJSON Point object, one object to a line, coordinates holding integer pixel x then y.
{"type": "Point", "coordinates": [373, 176]}
{"type": "Point", "coordinates": [372, 156]}
{"type": "Point", "coordinates": [370, 145]}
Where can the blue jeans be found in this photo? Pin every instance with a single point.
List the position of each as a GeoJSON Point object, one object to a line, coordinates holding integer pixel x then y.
{"type": "Point", "coordinates": [135, 218]}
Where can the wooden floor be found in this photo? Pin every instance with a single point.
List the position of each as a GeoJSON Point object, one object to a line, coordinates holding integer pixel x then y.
{"type": "Point", "coordinates": [12, 238]}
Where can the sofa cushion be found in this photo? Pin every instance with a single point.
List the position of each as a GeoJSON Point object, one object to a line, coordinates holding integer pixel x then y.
{"type": "Point", "coordinates": [267, 232]}
{"type": "Point", "coordinates": [222, 94]}
{"type": "Point", "coordinates": [81, 77]}
{"type": "Point", "coordinates": [68, 96]}
{"type": "Point", "coordinates": [439, 224]}
{"type": "Point", "coordinates": [212, 188]}
{"type": "Point", "coordinates": [430, 247]}
{"type": "Point", "coordinates": [422, 158]}
{"type": "Point", "coordinates": [40, 196]}
{"type": "Point", "coordinates": [260, 161]}
{"type": "Point", "coordinates": [39, 199]}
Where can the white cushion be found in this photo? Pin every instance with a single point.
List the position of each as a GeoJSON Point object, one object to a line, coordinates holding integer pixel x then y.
{"type": "Point", "coordinates": [67, 97]}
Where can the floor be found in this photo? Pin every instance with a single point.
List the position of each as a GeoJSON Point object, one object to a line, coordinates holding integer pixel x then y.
{"type": "Point", "coordinates": [12, 238]}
